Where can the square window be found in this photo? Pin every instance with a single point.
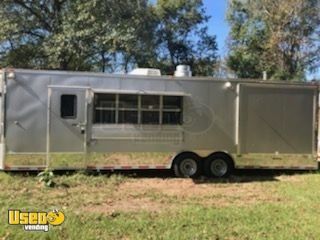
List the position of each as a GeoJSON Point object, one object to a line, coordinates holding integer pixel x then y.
{"type": "Point", "coordinates": [150, 102]}
{"type": "Point", "coordinates": [68, 107]}
{"type": "Point", "coordinates": [128, 101]}
{"type": "Point", "coordinates": [150, 117]}
{"type": "Point", "coordinates": [172, 102]}
{"type": "Point", "coordinates": [128, 117]}
{"type": "Point", "coordinates": [105, 100]}
{"type": "Point", "coordinates": [173, 118]}
{"type": "Point", "coordinates": [105, 116]}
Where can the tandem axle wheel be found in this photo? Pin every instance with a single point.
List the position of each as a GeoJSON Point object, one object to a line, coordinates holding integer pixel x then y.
{"type": "Point", "coordinates": [190, 165]}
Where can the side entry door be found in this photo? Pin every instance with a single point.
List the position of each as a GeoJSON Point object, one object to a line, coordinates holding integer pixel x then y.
{"type": "Point", "coordinates": [67, 126]}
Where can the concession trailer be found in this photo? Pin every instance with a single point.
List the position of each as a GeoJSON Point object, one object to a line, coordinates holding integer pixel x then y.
{"type": "Point", "coordinates": [194, 125]}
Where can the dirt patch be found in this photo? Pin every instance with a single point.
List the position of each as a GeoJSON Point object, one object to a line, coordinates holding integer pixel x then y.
{"type": "Point", "coordinates": [112, 206]}
{"type": "Point", "coordinates": [185, 187]}
{"type": "Point", "coordinates": [157, 195]}
{"type": "Point", "coordinates": [207, 193]}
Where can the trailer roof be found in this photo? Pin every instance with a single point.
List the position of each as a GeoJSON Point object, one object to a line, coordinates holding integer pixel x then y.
{"type": "Point", "coordinates": [164, 77]}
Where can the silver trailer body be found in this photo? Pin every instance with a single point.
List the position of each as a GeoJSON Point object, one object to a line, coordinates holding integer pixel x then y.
{"type": "Point", "coordinates": [72, 120]}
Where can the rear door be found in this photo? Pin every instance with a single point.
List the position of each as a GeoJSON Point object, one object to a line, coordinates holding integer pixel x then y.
{"type": "Point", "coordinates": [277, 119]}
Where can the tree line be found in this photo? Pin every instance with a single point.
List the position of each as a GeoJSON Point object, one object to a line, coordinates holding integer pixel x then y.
{"type": "Point", "coordinates": [279, 37]}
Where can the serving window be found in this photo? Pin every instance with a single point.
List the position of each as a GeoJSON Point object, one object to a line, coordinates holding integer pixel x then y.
{"type": "Point", "coordinates": [128, 108]}
{"type": "Point", "coordinates": [172, 110]}
{"type": "Point", "coordinates": [105, 108]}
{"type": "Point", "coordinates": [137, 109]}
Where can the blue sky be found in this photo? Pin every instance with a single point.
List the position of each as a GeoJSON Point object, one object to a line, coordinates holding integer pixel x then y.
{"type": "Point", "coordinates": [217, 24]}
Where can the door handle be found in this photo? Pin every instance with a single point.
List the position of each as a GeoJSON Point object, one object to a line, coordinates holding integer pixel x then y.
{"type": "Point", "coordinates": [82, 127]}
{"type": "Point", "coordinates": [78, 125]}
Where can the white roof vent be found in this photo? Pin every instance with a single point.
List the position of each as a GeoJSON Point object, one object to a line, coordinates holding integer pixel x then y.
{"type": "Point", "coordinates": [183, 71]}
{"type": "Point", "coordinates": [146, 72]}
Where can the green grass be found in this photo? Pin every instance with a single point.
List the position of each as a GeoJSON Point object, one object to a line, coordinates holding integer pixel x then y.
{"type": "Point", "coordinates": [60, 160]}
{"type": "Point", "coordinates": [80, 161]}
{"type": "Point", "coordinates": [120, 207]}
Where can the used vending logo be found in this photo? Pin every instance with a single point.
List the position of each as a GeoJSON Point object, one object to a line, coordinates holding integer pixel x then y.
{"type": "Point", "coordinates": [35, 221]}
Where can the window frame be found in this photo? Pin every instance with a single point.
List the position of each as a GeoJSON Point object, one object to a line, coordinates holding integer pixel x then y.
{"type": "Point", "coordinates": [75, 107]}
{"type": "Point", "coordinates": [170, 110]}
{"type": "Point", "coordinates": [126, 109]}
{"type": "Point", "coordinates": [110, 109]}
{"type": "Point", "coordinates": [140, 109]}
{"type": "Point", "coordinates": [156, 110]}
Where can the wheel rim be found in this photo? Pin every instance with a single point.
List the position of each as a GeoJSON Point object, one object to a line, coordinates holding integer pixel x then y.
{"type": "Point", "coordinates": [188, 167]}
{"type": "Point", "coordinates": [219, 167]}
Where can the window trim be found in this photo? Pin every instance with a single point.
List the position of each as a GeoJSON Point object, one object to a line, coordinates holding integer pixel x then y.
{"type": "Point", "coordinates": [140, 110]}
{"type": "Point", "coordinates": [75, 106]}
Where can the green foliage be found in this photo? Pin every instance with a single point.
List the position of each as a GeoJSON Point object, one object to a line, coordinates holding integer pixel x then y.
{"type": "Point", "coordinates": [105, 35]}
{"type": "Point", "coordinates": [279, 38]}
{"type": "Point", "coordinates": [37, 34]}
{"type": "Point", "coordinates": [46, 178]}
{"type": "Point", "coordinates": [180, 22]}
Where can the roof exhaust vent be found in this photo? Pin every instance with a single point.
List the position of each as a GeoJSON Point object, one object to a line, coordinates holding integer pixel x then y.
{"type": "Point", "coordinates": [183, 71]}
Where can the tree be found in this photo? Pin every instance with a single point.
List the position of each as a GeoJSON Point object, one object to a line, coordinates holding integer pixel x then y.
{"type": "Point", "coordinates": [36, 35]}
{"type": "Point", "coordinates": [105, 35]}
{"type": "Point", "coordinates": [68, 35]}
{"type": "Point", "coordinates": [282, 39]}
{"type": "Point", "coordinates": [121, 33]}
{"type": "Point", "coordinates": [183, 38]}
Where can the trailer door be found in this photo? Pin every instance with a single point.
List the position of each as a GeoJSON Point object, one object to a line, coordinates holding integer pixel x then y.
{"type": "Point", "coordinates": [67, 127]}
{"type": "Point", "coordinates": [277, 119]}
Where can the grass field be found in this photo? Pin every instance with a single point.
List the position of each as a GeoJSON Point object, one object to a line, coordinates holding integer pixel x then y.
{"type": "Point", "coordinates": [125, 207]}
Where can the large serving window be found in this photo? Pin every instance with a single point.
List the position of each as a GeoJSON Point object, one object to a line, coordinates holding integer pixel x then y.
{"type": "Point", "coordinates": [118, 108]}
{"type": "Point", "coordinates": [128, 108]}
{"type": "Point", "coordinates": [105, 108]}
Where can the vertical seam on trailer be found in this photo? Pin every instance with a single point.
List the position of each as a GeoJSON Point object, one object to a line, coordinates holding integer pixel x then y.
{"type": "Point", "coordinates": [318, 127]}
{"type": "Point", "coordinates": [139, 109]}
{"type": "Point", "coordinates": [237, 118]}
{"type": "Point", "coordinates": [3, 96]}
{"type": "Point", "coordinates": [314, 125]}
{"type": "Point", "coordinates": [87, 95]}
{"type": "Point", "coordinates": [161, 110]}
{"type": "Point", "coordinates": [48, 127]}
{"type": "Point", "coordinates": [117, 109]}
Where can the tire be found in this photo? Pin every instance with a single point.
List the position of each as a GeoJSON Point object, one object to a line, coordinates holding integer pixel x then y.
{"type": "Point", "coordinates": [218, 165]}
{"type": "Point", "coordinates": [187, 165]}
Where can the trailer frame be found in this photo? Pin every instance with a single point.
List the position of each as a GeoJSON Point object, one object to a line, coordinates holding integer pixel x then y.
{"type": "Point", "coordinates": [175, 139]}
